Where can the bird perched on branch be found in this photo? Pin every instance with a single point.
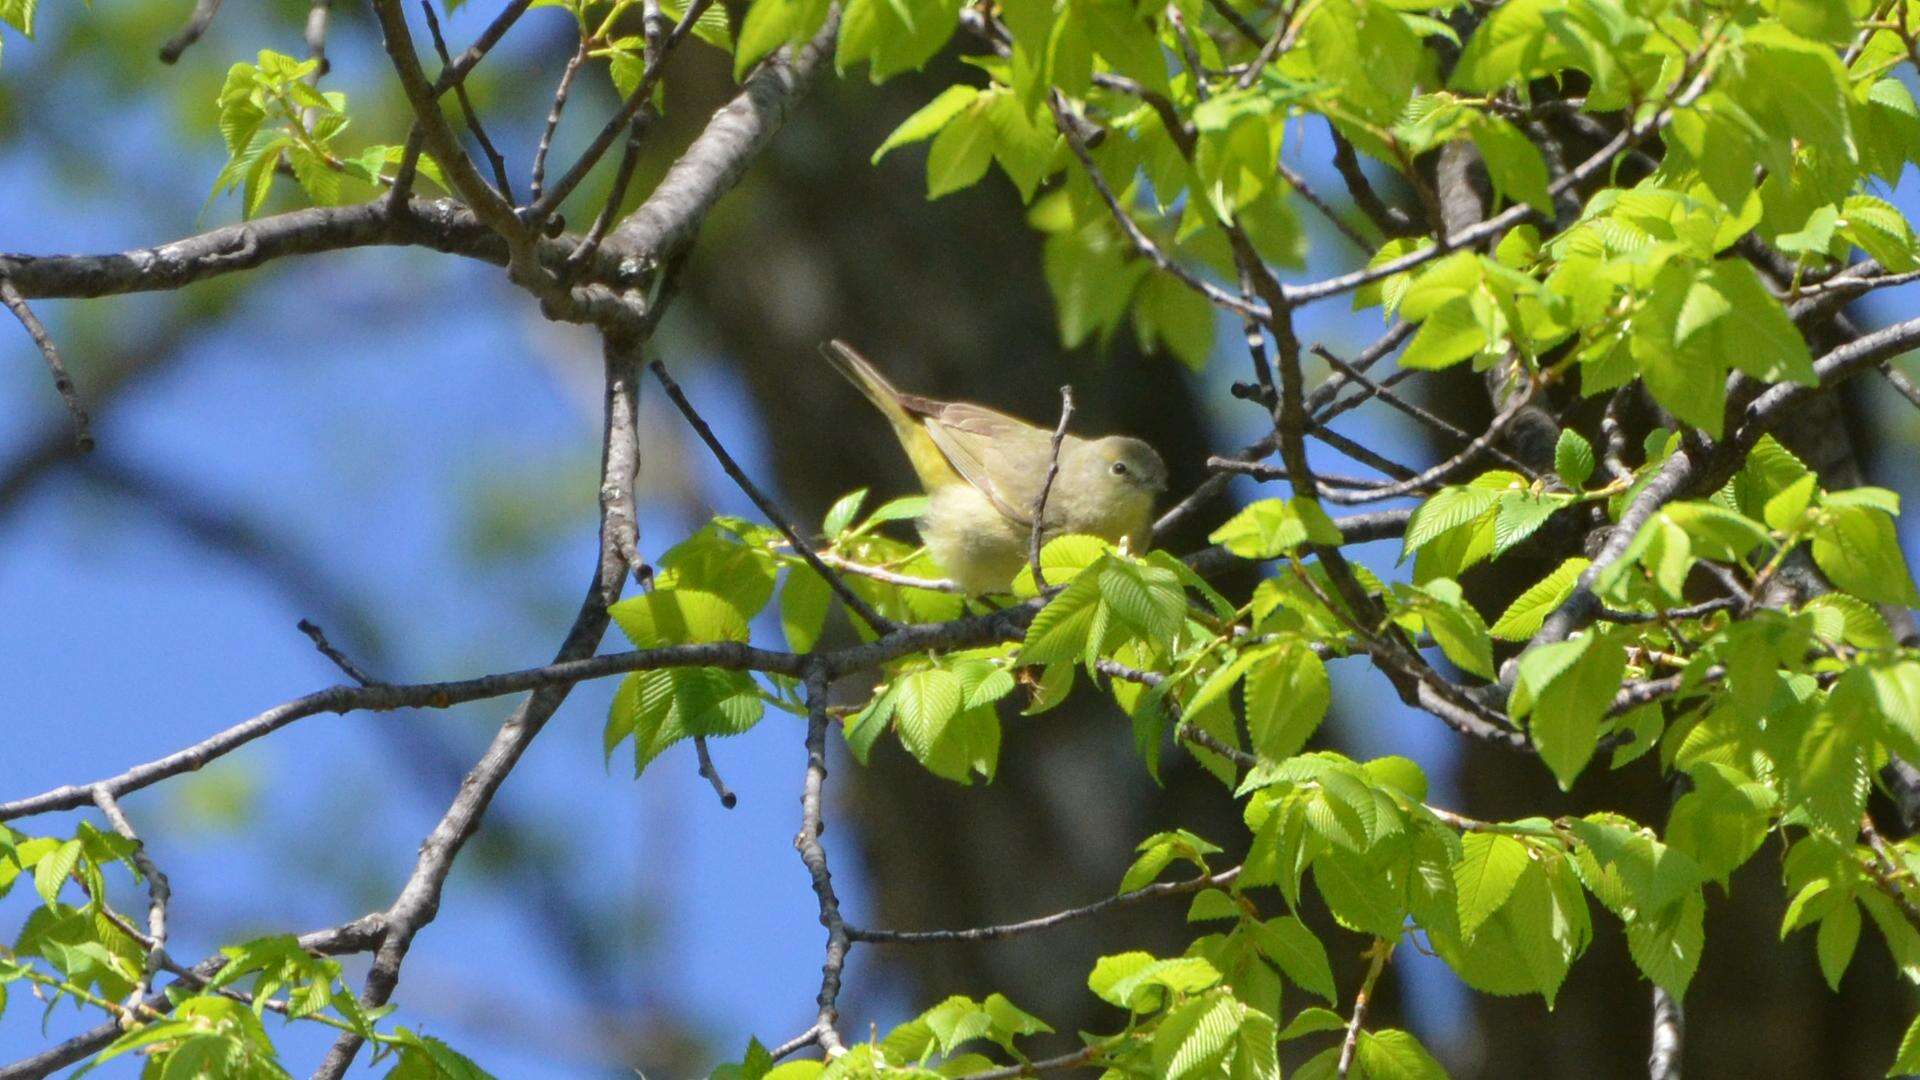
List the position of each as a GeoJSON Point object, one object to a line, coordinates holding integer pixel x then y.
{"type": "Point", "coordinates": [983, 472]}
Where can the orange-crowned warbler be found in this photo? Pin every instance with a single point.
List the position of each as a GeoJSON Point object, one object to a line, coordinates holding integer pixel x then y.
{"type": "Point", "coordinates": [983, 471]}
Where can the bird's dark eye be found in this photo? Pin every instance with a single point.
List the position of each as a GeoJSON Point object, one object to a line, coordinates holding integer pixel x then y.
{"type": "Point", "coordinates": [1119, 468]}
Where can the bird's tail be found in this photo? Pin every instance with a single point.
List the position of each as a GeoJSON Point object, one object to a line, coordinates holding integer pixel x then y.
{"type": "Point", "coordinates": [928, 462]}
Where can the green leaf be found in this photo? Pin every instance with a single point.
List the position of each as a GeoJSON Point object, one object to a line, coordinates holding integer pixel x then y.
{"type": "Point", "coordinates": [1447, 336]}
{"type": "Point", "coordinates": [1519, 515]}
{"type": "Point", "coordinates": [1858, 549]}
{"type": "Point", "coordinates": [1908, 1059]}
{"type": "Point", "coordinates": [925, 702]}
{"type": "Point", "coordinates": [928, 121]}
{"type": "Point", "coordinates": [1456, 626]}
{"type": "Point", "coordinates": [1271, 528]}
{"type": "Point", "coordinates": [1839, 933]}
{"type": "Point", "coordinates": [804, 599]}
{"type": "Point", "coordinates": [1573, 459]}
{"type": "Point", "coordinates": [769, 24]}
{"type": "Point", "coordinates": [1287, 695]}
{"type": "Point", "coordinates": [841, 513]}
{"type": "Point", "coordinates": [661, 707]}
{"type": "Point", "coordinates": [1395, 1055]}
{"type": "Point", "coordinates": [1666, 945]}
{"type": "Point", "coordinates": [1297, 953]}
{"type": "Point", "coordinates": [1572, 684]}
{"type": "Point", "coordinates": [53, 869]}
{"type": "Point", "coordinates": [1490, 865]}
{"type": "Point", "coordinates": [1137, 981]}
{"type": "Point", "coordinates": [1146, 599]}
{"type": "Point", "coordinates": [893, 36]}
{"type": "Point", "coordinates": [1060, 630]}
{"type": "Point", "coordinates": [1010, 1020]}
{"type": "Point", "coordinates": [1528, 944]}
{"type": "Point", "coordinates": [960, 153]}
{"type": "Point", "coordinates": [1630, 870]}
{"type": "Point", "coordinates": [1167, 312]}
{"type": "Point", "coordinates": [1446, 509]}
{"type": "Point", "coordinates": [1062, 560]}
{"type": "Point", "coordinates": [1212, 904]}
{"type": "Point", "coordinates": [1159, 850]}
{"type": "Point", "coordinates": [678, 617]}
{"type": "Point", "coordinates": [1194, 1038]}
{"type": "Point", "coordinates": [1722, 821]}
{"type": "Point", "coordinates": [19, 15]}
{"type": "Point", "coordinates": [1312, 1021]}
{"type": "Point", "coordinates": [1513, 162]}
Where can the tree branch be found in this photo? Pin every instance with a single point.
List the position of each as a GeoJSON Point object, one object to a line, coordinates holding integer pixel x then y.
{"type": "Point", "coordinates": [1034, 538]}
{"type": "Point", "coordinates": [880, 623]}
{"type": "Point", "coordinates": [419, 899]}
{"type": "Point", "coordinates": [62, 382]}
{"type": "Point", "coordinates": [814, 855]}
{"type": "Point", "coordinates": [196, 27]}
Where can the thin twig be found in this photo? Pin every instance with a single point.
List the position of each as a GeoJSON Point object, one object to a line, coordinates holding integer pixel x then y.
{"type": "Point", "coordinates": [1376, 962]}
{"type": "Point", "coordinates": [158, 895]}
{"type": "Point", "coordinates": [1446, 469]}
{"type": "Point", "coordinates": [1237, 21]}
{"type": "Point", "coordinates": [340, 659]}
{"type": "Point", "coordinates": [1390, 220]}
{"type": "Point", "coordinates": [62, 382]}
{"type": "Point", "coordinates": [1417, 412]}
{"type": "Point", "coordinates": [1327, 209]}
{"type": "Point", "coordinates": [403, 177]}
{"type": "Point", "coordinates": [889, 577]}
{"type": "Point", "coordinates": [1209, 489]}
{"type": "Point", "coordinates": [1899, 381]}
{"type": "Point", "coordinates": [809, 1037]}
{"type": "Point", "coordinates": [197, 23]}
{"type": "Point", "coordinates": [1156, 891]}
{"type": "Point", "coordinates": [466, 106]}
{"type": "Point", "coordinates": [1320, 403]}
{"type": "Point", "coordinates": [1885, 870]}
{"type": "Point", "coordinates": [727, 798]}
{"type": "Point", "coordinates": [1260, 470]}
{"type": "Point", "coordinates": [1692, 611]}
{"type": "Point", "coordinates": [622, 179]}
{"type": "Point", "coordinates": [1046, 488]}
{"type": "Point", "coordinates": [1129, 228]}
{"type": "Point", "coordinates": [1359, 452]}
{"type": "Point", "coordinates": [418, 900]}
{"type": "Point", "coordinates": [543, 207]}
{"type": "Point", "coordinates": [814, 855]}
{"type": "Point", "coordinates": [538, 179]}
{"type": "Point", "coordinates": [880, 623]}
{"type": "Point", "coordinates": [456, 72]}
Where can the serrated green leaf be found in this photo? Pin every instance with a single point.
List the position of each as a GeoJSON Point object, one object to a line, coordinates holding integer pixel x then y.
{"type": "Point", "coordinates": [1489, 866]}
{"type": "Point", "coordinates": [1573, 459]}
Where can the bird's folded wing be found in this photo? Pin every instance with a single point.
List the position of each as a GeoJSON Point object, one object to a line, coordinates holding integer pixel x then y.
{"type": "Point", "coordinates": [971, 437]}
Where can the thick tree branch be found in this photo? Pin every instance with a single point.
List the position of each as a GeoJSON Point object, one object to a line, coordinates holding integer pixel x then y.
{"type": "Point", "coordinates": [419, 899]}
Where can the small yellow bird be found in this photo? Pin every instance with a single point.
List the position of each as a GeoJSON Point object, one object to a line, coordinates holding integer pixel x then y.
{"type": "Point", "coordinates": [983, 471]}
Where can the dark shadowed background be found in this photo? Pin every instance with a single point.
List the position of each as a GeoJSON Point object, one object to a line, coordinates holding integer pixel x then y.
{"type": "Point", "coordinates": [397, 446]}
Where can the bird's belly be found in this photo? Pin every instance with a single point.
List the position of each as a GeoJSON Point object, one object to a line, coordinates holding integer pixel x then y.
{"type": "Point", "coordinates": [972, 541]}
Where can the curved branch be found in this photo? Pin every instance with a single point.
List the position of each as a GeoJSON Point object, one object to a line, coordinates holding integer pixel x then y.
{"type": "Point", "coordinates": [1155, 891]}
